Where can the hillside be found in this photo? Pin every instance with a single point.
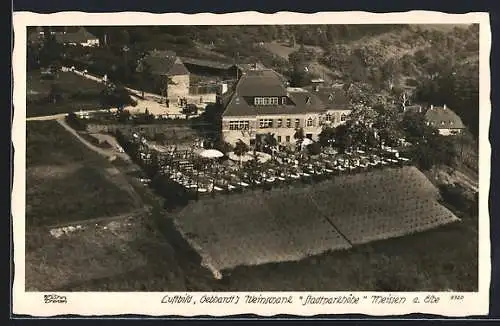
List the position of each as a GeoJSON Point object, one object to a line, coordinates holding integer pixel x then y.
{"type": "Point", "coordinates": [435, 63]}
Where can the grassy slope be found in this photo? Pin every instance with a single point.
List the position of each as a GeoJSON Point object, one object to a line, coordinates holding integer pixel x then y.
{"type": "Point", "coordinates": [440, 259]}
{"type": "Point", "coordinates": [66, 181]}
{"type": "Point", "coordinates": [78, 93]}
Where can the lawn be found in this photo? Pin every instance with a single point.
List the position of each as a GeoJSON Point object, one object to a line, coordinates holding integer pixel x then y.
{"type": "Point", "coordinates": [67, 182]}
{"type": "Point", "coordinates": [440, 259]}
{"type": "Point", "coordinates": [77, 93]}
{"type": "Point", "coordinates": [104, 251]}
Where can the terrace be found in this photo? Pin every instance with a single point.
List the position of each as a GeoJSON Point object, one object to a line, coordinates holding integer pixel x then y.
{"type": "Point", "coordinates": [201, 175]}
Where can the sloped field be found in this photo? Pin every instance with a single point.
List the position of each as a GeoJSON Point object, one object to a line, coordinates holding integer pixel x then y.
{"type": "Point", "coordinates": [251, 229]}
{"type": "Point", "coordinates": [290, 224]}
{"type": "Point", "coordinates": [382, 204]}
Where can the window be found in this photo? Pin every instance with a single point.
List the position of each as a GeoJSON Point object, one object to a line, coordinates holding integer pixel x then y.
{"type": "Point", "coordinates": [310, 122]}
{"type": "Point", "coordinates": [328, 117]}
{"type": "Point", "coordinates": [265, 123]}
{"type": "Point", "coordinates": [239, 125]}
{"type": "Point", "coordinates": [343, 117]}
{"type": "Point", "coordinates": [287, 138]}
{"type": "Point", "coordinates": [288, 123]}
{"type": "Point", "coordinates": [310, 136]}
{"type": "Point", "coordinates": [283, 100]}
{"type": "Point", "coordinates": [297, 123]}
{"type": "Point", "coordinates": [266, 101]}
{"type": "Point", "coordinates": [280, 123]}
{"type": "Point", "coordinates": [279, 139]}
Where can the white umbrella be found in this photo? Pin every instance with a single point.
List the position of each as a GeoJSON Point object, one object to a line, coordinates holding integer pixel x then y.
{"type": "Point", "coordinates": [243, 158]}
{"type": "Point", "coordinates": [262, 157]}
{"type": "Point", "coordinates": [307, 142]}
{"type": "Point", "coordinates": [211, 153]}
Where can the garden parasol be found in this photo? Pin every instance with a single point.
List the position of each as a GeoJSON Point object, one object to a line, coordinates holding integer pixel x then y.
{"type": "Point", "coordinates": [211, 153]}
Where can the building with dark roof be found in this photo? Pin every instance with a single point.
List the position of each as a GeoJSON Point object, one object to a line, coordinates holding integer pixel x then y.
{"type": "Point", "coordinates": [79, 36]}
{"type": "Point", "coordinates": [444, 120]}
{"type": "Point", "coordinates": [70, 35]}
{"type": "Point", "coordinates": [261, 103]}
{"type": "Point", "coordinates": [169, 66]}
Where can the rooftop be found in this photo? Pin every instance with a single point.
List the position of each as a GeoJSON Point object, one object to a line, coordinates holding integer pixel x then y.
{"type": "Point", "coordinates": [166, 63]}
{"type": "Point", "coordinates": [443, 117]}
{"type": "Point", "coordinates": [80, 35]}
{"type": "Point", "coordinates": [334, 98]}
{"type": "Point", "coordinates": [265, 83]}
{"type": "Point", "coordinates": [207, 63]}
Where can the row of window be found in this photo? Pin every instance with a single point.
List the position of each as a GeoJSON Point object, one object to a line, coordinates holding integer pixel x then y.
{"type": "Point", "coordinates": [239, 125]}
{"type": "Point", "coordinates": [329, 117]}
{"type": "Point", "coordinates": [270, 123]}
{"type": "Point", "coordinates": [268, 101]}
{"type": "Point", "coordinates": [287, 139]}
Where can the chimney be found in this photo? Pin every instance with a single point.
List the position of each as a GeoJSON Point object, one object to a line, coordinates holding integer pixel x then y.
{"type": "Point", "coordinates": [432, 107]}
{"type": "Point", "coordinates": [444, 107]}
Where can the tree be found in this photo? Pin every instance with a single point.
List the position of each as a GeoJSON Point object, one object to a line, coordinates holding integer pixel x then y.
{"type": "Point", "coordinates": [55, 93]}
{"type": "Point", "coordinates": [75, 122]}
{"type": "Point", "coordinates": [299, 77]}
{"type": "Point", "coordinates": [240, 149]}
{"type": "Point", "coordinates": [415, 127]}
{"type": "Point", "coordinates": [314, 148]}
{"type": "Point", "coordinates": [124, 116]}
{"type": "Point", "coordinates": [299, 136]}
{"type": "Point", "coordinates": [113, 96]}
{"type": "Point", "coordinates": [269, 142]}
{"type": "Point", "coordinates": [144, 70]}
{"type": "Point", "coordinates": [343, 139]}
{"type": "Point", "coordinates": [327, 136]}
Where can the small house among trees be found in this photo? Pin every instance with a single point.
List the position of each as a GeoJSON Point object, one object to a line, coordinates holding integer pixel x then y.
{"type": "Point", "coordinates": [444, 120]}
{"type": "Point", "coordinates": [170, 67]}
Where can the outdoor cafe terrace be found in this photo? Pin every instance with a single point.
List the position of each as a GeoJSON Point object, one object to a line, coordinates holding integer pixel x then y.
{"type": "Point", "coordinates": [202, 172]}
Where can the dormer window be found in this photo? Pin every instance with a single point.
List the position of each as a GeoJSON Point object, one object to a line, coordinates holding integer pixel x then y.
{"type": "Point", "coordinates": [261, 101]}
{"type": "Point", "coordinates": [308, 100]}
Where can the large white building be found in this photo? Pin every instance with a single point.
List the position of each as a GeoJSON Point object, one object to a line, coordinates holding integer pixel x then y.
{"type": "Point", "coordinates": [261, 103]}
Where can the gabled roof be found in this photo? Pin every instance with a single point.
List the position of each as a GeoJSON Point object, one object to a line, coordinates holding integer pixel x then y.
{"type": "Point", "coordinates": [266, 83]}
{"type": "Point", "coordinates": [443, 118]}
{"type": "Point", "coordinates": [166, 63]}
{"type": "Point", "coordinates": [333, 98]}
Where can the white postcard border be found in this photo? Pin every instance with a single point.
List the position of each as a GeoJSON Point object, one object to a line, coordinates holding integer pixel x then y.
{"type": "Point", "coordinates": [100, 304]}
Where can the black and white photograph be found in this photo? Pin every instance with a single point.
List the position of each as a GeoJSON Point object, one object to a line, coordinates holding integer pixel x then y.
{"type": "Point", "coordinates": [257, 157]}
